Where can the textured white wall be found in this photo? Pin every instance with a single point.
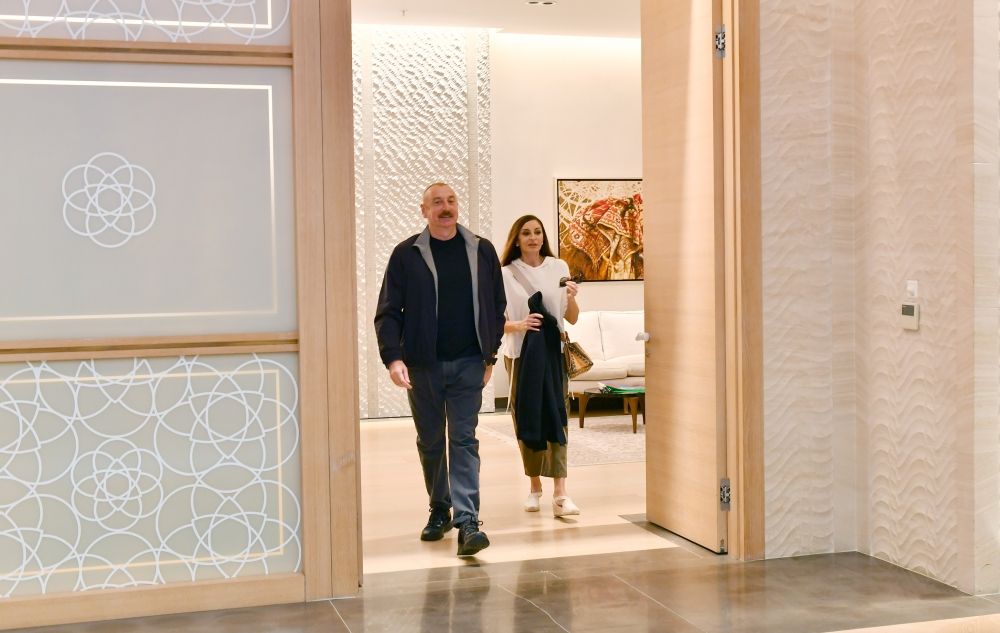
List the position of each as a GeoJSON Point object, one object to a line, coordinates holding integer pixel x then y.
{"type": "Point", "coordinates": [808, 373]}
{"type": "Point", "coordinates": [986, 202]}
{"type": "Point", "coordinates": [913, 222]}
{"type": "Point", "coordinates": [880, 165]}
{"type": "Point", "coordinates": [563, 107]}
{"type": "Point", "coordinates": [421, 115]}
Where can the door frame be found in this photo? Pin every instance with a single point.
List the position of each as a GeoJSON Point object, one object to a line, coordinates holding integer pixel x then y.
{"type": "Point", "coordinates": [744, 318]}
{"type": "Point", "coordinates": [744, 322]}
{"type": "Point", "coordinates": [744, 287]}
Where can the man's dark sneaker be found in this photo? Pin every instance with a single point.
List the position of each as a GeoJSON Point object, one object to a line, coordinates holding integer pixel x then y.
{"type": "Point", "coordinates": [438, 523]}
{"type": "Point", "coordinates": [470, 539]}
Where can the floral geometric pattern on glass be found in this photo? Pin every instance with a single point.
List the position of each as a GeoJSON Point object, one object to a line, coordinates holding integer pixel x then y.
{"type": "Point", "coordinates": [147, 471]}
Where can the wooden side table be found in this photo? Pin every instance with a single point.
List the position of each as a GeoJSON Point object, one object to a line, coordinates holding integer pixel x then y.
{"type": "Point", "coordinates": [634, 403]}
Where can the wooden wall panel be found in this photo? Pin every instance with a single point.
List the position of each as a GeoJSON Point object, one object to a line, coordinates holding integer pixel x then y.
{"type": "Point", "coordinates": [747, 465]}
{"type": "Point", "coordinates": [146, 601]}
{"type": "Point", "coordinates": [311, 253]}
{"type": "Point", "coordinates": [341, 295]}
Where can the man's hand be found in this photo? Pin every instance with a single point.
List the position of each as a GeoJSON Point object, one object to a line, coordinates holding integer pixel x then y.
{"type": "Point", "coordinates": [487, 374]}
{"type": "Point", "coordinates": [399, 374]}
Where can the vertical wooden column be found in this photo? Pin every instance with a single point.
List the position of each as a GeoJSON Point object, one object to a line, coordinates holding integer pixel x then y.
{"type": "Point", "coordinates": [749, 534]}
{"type": "Point", "coordinates": [341, 293]}
{"type": "Point", "coordinates": [311, 254]}
{"type": "Point", "coordinates": [324, 153]}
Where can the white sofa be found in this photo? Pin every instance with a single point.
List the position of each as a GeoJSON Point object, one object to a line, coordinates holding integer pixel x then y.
{"type": "Point", "coordinates": [608, 337]}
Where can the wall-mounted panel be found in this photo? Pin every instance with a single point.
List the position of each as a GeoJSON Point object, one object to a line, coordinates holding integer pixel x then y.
{"type": "Point", "coordinates": [217, 21]}
{"type": "Point", "coordinates": [145, 200]}
{"type": "Point", "coordinates": [134, 472]}
{"type": "Point", "coordinates": [422, 113]}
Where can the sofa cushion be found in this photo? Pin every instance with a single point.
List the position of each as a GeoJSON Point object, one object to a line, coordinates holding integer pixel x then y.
{"type": "Point", "coordinates": [635, 364]}
{"type": "Point", "coordinates": [587, 332]}
{"type": "Point", "coordinates": [618, 332]}
{"type": "Point", "coordinates": [604, 370]}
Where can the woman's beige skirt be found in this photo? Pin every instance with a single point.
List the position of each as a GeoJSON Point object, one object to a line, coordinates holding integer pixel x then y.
{"type": "Point", "coordinates": [550, 462]}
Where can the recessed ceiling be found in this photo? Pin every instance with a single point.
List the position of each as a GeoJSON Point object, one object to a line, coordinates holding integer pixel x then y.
{"type": "Point", "coordinates": [602, 18]}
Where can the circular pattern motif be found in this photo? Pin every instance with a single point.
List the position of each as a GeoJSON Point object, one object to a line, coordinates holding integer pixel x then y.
{"type": "Point", "coordinates": [157, 471]}
{"type": "Point", "coordinates": [117, 485]}
{"type": "Point", "coordinates": [109, 200]}
{"type": "Point", "coordinates": [177, 20]}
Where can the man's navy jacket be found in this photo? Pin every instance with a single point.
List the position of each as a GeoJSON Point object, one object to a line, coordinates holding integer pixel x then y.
{"type": "Point", "coordinates": [406, 318]}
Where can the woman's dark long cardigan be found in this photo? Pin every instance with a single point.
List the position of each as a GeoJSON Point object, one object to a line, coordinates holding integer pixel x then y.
{"type": "Point", "coordinates": [540, 407]}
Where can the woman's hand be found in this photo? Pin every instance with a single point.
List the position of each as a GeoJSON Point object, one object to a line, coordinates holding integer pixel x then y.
{"type": "Point", "coordinates": [533, 322]}
{"type": "Point", "coordinates": [572, 288]}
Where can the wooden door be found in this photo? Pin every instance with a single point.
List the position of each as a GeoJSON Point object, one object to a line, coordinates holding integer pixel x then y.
{"type": "Point", "coordinates": [685, 302]}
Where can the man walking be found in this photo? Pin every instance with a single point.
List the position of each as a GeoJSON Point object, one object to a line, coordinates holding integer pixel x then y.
{"type": "Point", "coordinates": [439, 322]}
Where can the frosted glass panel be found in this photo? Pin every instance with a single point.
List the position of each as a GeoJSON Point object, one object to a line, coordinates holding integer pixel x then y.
{"type": "Point", "coordinates": [215, 21]}
{"type": "Point", "coordinates": [135, 472]}
{"type": "Point", "coordinates": [145, 200]}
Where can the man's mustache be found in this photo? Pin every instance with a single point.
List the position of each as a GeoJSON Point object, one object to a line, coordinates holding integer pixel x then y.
{"type": "Point", "coordinates": [447, 214]}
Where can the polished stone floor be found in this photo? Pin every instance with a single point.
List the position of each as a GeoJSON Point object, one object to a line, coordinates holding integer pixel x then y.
{"type": "Point", "coordinates": [679, 589]}
{"type": "Point", "coordinates": [394, 505]}
{"type": "Point", "coordinates": [606, 571]}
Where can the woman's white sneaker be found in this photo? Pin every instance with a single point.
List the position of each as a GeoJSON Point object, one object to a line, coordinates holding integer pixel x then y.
{"type": "Point", "coordinates": [564, 506]}
{"type": "Point", "coordinates": [531, 504]}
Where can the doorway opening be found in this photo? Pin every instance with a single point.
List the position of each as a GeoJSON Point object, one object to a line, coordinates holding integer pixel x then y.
{"type": "Point", "coordinates": [559, 107]}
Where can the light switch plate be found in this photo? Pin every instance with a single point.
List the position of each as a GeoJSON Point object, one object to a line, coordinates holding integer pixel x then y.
{"type": "Point", "coordinates": [912, 289]}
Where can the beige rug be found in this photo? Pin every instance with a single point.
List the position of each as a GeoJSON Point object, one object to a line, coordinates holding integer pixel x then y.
{"type": "Point", "coordinates": [606, 439]}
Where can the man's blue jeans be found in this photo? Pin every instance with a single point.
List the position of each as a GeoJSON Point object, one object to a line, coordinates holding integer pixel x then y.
{"type": "Point", "coordinates": [448, 396]}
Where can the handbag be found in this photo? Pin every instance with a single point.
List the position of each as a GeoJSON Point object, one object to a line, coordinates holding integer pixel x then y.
{"type": "Point", "coordinates": [574, 358]}
{"type": "Point", "coordinates": [576, 361]}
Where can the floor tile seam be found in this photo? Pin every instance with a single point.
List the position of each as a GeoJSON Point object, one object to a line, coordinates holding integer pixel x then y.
{"type": "Point", "coordinates": [532, 603]}
{"type": "Point", "coordinates": [993, 604]}
{"type": "Point", "coordinates": [340, 615]}
{"type": "Point", "coordinates": [419, 586]}
{"type": "Point", "coordinates": [654, 600]}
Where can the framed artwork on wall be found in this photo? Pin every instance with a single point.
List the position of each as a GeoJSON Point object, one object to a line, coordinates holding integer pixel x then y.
{"type": "Point", "coordinates": [600, 228]}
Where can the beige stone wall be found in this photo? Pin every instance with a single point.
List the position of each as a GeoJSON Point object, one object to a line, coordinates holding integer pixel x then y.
{"type": "Point", "coordinates": [799, 284]}
{"type": "Point", "coordinates": [877, 438]}
{"type": "Point", "coordinates": [913, 221]}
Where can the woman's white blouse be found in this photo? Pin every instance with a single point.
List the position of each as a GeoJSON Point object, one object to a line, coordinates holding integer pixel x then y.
{"type": "Point", "coordinates": [544, 277]}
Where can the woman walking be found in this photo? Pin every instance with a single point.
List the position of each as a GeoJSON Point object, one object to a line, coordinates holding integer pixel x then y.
{"type": "Point", "coordinates": [539, 297]}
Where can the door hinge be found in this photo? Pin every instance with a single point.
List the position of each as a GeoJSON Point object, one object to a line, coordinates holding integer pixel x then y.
{"type": "Point", "coordinates": [720, 41]}
{"type": "Point", "coordinates": [725, 494]}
